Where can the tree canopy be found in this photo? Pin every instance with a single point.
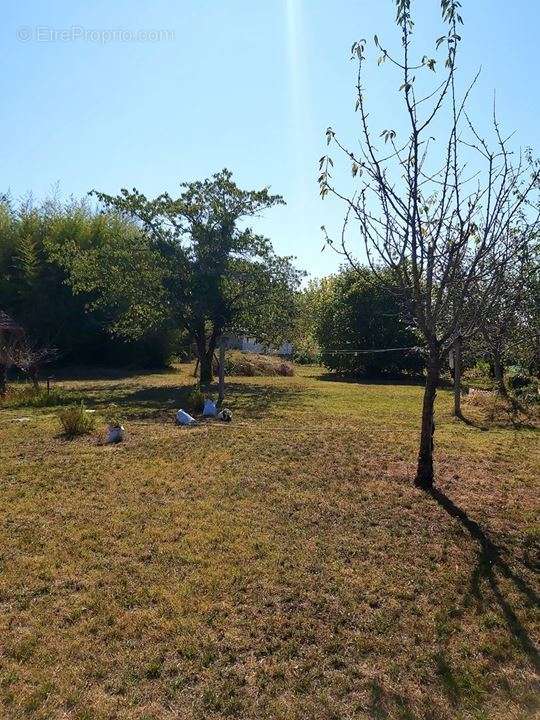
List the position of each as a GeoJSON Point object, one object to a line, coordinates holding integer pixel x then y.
{"type": "Point", "coordinates": [221, 276]}
{"type": "Point", "coordinates": [362, 313]}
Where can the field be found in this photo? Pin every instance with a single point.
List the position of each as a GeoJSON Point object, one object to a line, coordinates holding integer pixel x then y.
{"type": "Point", "coordinates": [280, 567]}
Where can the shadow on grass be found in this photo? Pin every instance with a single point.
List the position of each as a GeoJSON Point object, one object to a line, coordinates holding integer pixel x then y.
{"type": "Point", "coordinates": [405, 380]}
{"type": "Point", "coordinates": [489, 559]}
{"type": "Point", "coordinates": [254, 401]}
{"type": "Point", "coordinates": [359, 380]}
{"type": "Point", "coordinates": [84, 372]}
{"type": "Point", "coordinates": [471, 423]}
{"type": "Point", "coordinates": [384, 704]}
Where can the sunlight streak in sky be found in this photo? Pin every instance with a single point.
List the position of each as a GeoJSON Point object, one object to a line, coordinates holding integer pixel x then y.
{"type": "Point", "coordinates": [298, 89]}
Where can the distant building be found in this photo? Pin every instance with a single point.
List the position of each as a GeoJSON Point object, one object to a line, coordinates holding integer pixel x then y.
{"type": "Point", "coordinates": [250, 345]}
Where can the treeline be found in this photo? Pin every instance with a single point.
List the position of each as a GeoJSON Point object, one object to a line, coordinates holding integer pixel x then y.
{"type": "Point", "coordinates": [138, 281]}
{"type": "Point", "coordinates": [356, 323]}
{"type": "Point", "coordinates": [40, 247]}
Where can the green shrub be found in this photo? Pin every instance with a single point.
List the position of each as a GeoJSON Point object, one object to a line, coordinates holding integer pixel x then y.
{"type": "Point", "coordinates": [481, 369]}
{"type": "Point", "coordinates": [76, 420]}
{"type": "Point", "coordinates": [518, 377]}
{"type": "Point", "coordinates": [307, 356]}
{"type": "Point", "coordinates": [194, 400]}
{"type": "Point", "coordinates": [529, 394]}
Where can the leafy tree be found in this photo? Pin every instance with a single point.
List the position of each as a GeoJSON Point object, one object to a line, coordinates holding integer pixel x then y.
{"type": "Point", "coordinates": [220, 276]}
{"type": "Point", "coordinates": [444, 215]}
{"type": "Point", "coordinates": [362, 313]}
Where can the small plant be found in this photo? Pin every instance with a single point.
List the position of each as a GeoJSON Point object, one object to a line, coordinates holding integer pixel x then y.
{"type": "Point", "coordinates": [76, 420]}
{"type": "Point", "coordinates": [194, 400]}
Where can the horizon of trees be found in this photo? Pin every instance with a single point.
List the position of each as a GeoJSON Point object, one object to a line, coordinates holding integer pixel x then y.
{"type": "Point", "coordinates": [92, 286]}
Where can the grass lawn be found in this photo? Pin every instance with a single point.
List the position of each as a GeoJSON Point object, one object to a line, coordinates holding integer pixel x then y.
{"type": "Point", "coordinates": [280, 567]}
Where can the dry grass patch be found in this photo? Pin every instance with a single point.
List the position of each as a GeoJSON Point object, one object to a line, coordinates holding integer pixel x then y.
{"type": "Point", "coordinates": [279, 567]}
{"type": "Point", "coordinates": [252, 364]}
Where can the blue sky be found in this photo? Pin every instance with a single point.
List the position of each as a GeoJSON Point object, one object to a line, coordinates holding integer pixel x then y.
{"type": "Point", "coordinates": [240, 84]}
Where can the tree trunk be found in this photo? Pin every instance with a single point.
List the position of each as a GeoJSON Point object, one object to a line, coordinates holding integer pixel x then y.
{"type": "Point", "coordinates": [3, 379]}
{"type": "Point", "coordinates": [206, 369]}
{"type": "Point", "coordinates": [221, 394]}
{"type": "Point", "coordinates": [424, 472]}
{"type": "Point", "coordinates": [35, 379]}
{"type": "Point", "coordinates": [206, 357]}
{"type": "Point", "coordinates": [498, 375]}
{"type": "Point", "coordinates": [457, 377]}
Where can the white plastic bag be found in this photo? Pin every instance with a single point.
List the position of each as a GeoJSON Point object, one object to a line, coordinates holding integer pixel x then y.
{"type": "Point", "coordinates": [209, 409]}
{"type": "Point", "coordinates": [115, 433]}
{"type": "Point", "coordinates": [184, 418]}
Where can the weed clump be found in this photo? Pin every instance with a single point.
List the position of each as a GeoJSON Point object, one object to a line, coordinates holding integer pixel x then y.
{"type": "Point", "coordinates": [77, 420]}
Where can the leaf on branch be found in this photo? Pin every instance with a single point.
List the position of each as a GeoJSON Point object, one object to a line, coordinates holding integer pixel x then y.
{"type": "Point", "coordinates": [388, 135]}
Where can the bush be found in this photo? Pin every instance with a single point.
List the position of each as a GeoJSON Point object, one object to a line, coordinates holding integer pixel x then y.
{"type": "Point", "coordinates": [76, 420]}
{"type": "Point", "coordinates": [529, 394]}
{"type": "Point", "coordinates": [251, 365]}
{"type": "Point", "coordinates": [307, 356]}
{"type": "Point", "coordinates": [481, 370]}
{"type": "Point", "coordinates": [518, 377]}
{"type": "Point", "coordinates": [362, 312]}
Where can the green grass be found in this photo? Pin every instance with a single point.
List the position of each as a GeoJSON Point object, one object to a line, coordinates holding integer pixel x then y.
{"type": "Point", "coordinates": [281, 566]}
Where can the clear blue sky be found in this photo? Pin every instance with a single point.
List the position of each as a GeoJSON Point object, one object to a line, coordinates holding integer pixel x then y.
{"type": "Point", "coordinates": [248, 85]}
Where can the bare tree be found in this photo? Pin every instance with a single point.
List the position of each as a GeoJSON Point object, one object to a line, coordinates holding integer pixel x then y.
{"type": "Point", "coordinates": [8, 353]}
{"type": "Point", "coordinates": [10, 337]}
{"type": "Point", "coordinates": [508, 323]}
{"type": "Point", "coordinates": [30, 358]}
{"type": "Point", "coordinates": [440, 213]}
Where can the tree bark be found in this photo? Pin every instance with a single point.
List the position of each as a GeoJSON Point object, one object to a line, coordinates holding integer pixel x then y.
{"type": "Point", "coordinates": [206, 369]}
{"type": "Point", "coordinates": [457, 377]}
{"type": "Point", "coordinates": [498, 374]}
{"type": "Point", "coordinates": [221, 394]}
{"type": "Point", "coordinates": [3, 379]}
{"type": "Point", "coordinates": [424, 472]}
{"type": "Point", "coordinates": [206, 357]}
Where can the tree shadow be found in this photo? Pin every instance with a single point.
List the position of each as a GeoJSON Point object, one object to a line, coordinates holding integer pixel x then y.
{"type": "Point", "coordinates": [256, 400]}
{"type": "Point", "coordinates": [160, 402]}
{"type": "Point", "coordinates": [385, 704]}
{"type": "Point", "coordinates": [471, 423]}
{"type": "Point", "coordinates": [413, 380]}
{"type": "Point", "coordinates": [82, 373]}
{"type": "Point", "coordinates": [489, 559]}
